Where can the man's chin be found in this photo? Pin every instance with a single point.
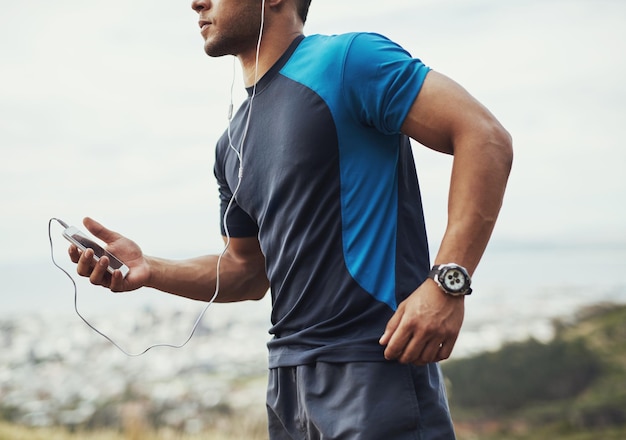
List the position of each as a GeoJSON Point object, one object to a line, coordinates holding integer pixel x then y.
{"type": "Point", "coordinates": [214, 50]}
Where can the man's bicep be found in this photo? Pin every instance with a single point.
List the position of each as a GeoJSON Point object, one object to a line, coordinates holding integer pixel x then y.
{"type": "Point", "coordinates": [244, 262]}
{"type": "Point", "coordinates": [246, 253]}
{"type": "Point", "coordinates": [442, 112]}
{"type": "Point", "coordinates": [245, 249]}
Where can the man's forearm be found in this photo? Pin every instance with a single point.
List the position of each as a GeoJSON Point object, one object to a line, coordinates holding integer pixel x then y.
{"type": "Point", "coordinates": [481, 167]}
{"type": "Point", "coordinates": [196, 278]}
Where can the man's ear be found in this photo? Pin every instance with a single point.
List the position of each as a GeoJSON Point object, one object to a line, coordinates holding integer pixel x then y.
{"type": "Point", "coordinates": [277, 4]}
{"type": "Point", "coordinates": [284, 8]}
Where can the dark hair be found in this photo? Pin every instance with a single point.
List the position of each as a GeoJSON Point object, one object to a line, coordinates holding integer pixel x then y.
{"type": "Point", "coordinates": [303, 8]}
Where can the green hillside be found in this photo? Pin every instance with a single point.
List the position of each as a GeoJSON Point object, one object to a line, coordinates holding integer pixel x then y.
{"type": "Point", "coordinates": [573, 387]}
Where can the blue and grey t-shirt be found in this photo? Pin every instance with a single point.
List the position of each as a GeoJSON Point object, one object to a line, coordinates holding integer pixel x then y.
{"type": "Point", "coordinates": [330, 188]}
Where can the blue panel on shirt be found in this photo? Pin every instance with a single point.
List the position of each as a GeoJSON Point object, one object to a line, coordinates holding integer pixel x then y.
{"type": "Point", "coordinates": [369, 84]}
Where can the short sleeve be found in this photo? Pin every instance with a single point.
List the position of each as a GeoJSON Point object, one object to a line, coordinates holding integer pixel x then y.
{"type": "Point", "coordinates": [239, 223]}
{"type": "Point", "coordinates": [381, 81]}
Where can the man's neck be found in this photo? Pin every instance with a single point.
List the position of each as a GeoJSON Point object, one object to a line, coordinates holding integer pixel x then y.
{"type": "Point", "coordinates": [273, 46]}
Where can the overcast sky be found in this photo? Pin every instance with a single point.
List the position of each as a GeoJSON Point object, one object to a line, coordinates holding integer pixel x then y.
{"type": "Point", "coordinates": [111, 109]}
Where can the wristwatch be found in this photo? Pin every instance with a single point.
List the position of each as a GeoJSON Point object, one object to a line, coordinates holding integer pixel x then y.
{"type": "Point", "coordinates": [452, 278]}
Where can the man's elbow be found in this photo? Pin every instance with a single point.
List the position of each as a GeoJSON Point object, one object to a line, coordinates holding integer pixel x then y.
{"type": "Point", "coordinates": [506, 149]}
{"type": "Point", "coordinates": [501, 143]}
{"type": "Point", "coordinates": [258, 293]}
{"type": "Point", "coordinates": [256, 287]}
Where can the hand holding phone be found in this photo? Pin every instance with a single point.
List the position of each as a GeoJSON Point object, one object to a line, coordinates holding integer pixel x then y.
{"type": "Point", "coordinates": [83, 242]}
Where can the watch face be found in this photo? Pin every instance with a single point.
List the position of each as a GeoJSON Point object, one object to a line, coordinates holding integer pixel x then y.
{"type": "Point", "coordinates": [454, 279]}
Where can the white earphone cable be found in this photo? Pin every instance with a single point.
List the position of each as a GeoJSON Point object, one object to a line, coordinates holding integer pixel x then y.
{"type": "Point", "coordinates": [239, 154]}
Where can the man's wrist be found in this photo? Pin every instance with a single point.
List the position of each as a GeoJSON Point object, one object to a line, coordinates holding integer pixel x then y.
{"type": "Point", "coordinates": [452, 278]}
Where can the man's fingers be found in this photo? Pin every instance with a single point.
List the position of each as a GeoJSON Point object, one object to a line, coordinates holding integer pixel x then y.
{"type": "Point", "coordinates": [390, 337]}
{"type": "Point", "coordinates": [117, 282]}
{"type": "Point", "coordinates": [398, 342]}
{"type": "Point", "coordinates": [433, 351]}
{"type": "Point", "coordinates": [445, 350]}
{"type": "Point", "coordinates": [410, 345]}
{"type": "Point", "coordinates": [430, 352]}
{"type": "Point", "coordinates": [419, 352]}
{"type": "Point", "coordinates": [74, 253]}
{"type": "Point", "coordinates": [391, 327]}
{"type": "Point", "coordinates": [96, 271]}
{"type": "Point", "coordinates": [99, 273]}
{"type": "Point", "coordinates": [85, 262]}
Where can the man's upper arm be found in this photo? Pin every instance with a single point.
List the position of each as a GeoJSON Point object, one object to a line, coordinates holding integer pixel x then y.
{"type": "Point", "coordinates": [245, 249]}
{"type": "Point", "coordinates": [245, 260]}
{"type": "Point", "coordinates": [444, 114]}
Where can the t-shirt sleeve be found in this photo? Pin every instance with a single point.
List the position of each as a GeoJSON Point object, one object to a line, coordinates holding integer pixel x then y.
{"type": "Point", "coordinates": [238, 222]}
{"type": "Point", "coordinates": [381, 81]}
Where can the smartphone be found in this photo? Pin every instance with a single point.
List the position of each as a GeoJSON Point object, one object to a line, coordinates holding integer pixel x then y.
{"type": "Point", "coordinates": [83, 242]}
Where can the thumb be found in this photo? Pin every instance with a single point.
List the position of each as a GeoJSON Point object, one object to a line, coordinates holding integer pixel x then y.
{"type": "Point", "coordinates": [98, 230]}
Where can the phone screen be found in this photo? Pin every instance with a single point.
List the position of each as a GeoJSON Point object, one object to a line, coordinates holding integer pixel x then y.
{"type": "Point", "coordinates": [97, 249]}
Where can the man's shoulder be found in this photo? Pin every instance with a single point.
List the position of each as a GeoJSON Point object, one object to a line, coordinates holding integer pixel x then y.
{"type": "Point", "coordinates": [359, 44]}
{"type": "Point", "coordinates": [346, 38]}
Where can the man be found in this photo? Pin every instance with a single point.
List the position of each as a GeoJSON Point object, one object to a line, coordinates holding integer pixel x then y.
{"type": "Point", "coordinates": [327, 212]}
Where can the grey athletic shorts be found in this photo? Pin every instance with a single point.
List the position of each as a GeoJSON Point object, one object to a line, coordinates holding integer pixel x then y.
{"type": "Point", "coordinates": [360, 400]}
